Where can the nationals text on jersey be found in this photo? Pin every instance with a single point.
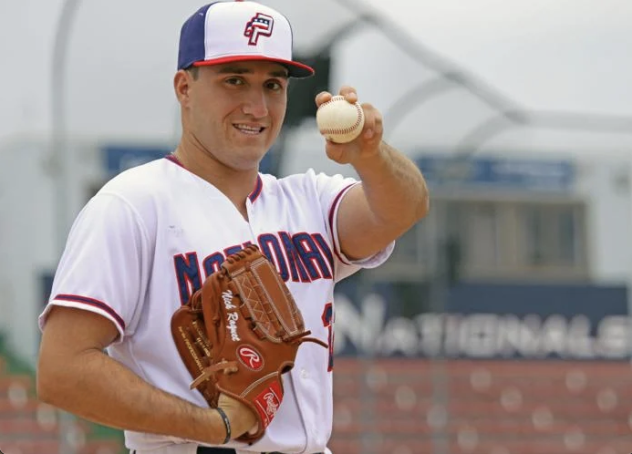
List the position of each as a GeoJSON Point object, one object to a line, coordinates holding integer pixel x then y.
{"type": "Point", "coordinates": [301, 257]}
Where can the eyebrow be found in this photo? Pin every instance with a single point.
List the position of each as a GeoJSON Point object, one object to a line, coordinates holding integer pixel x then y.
{"type": "Point", "coordinates": [242, 70]}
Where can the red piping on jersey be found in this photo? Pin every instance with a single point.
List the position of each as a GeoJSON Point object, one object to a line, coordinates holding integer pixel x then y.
{"type": "Point", "coordinates": [94, 303]}
{"type": "Point", "coordinates": [256, 192]}
{"type": "Point", "coordinates": [173, 159]}
{"type": "Point", "coordinates": [332, 210]}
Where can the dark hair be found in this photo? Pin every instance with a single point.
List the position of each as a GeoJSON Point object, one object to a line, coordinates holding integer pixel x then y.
{"type": "Point", "coordinates": [194, 71]}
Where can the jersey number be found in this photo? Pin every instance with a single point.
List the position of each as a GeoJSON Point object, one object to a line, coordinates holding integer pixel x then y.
{"type": "Point", "coordinates": [328, 322]}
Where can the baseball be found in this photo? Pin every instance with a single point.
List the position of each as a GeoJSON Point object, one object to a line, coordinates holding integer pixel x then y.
{"type": "Point", "coordinates": [339, 120]}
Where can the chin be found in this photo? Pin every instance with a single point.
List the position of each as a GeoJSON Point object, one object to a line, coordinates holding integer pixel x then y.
{"type": "Point", "coordinates": [247, 164]}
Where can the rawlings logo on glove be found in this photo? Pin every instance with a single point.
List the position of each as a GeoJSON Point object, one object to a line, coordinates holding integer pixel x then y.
{"type": "Point", "coordinates": [250, 358]}
{"type": "Point", "coordinates": [239, 333]}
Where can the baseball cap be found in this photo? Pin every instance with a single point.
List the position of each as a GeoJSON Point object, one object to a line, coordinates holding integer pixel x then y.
{"type": "Point", "coordinates": [225, 31]}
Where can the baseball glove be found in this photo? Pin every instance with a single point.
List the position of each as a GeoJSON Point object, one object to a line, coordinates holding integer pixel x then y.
{"type": "Point", "coordinates": [239, 333]}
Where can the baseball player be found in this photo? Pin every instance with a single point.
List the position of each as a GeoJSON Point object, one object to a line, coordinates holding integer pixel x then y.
{"type": "Point", "coordinates": [150, 237]}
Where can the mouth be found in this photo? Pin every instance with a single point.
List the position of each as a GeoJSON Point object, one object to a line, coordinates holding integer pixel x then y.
{"type": "Point", "coordinates": [251, 130]}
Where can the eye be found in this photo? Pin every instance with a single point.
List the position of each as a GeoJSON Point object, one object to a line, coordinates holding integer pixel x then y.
{"type": "Point", "coordinates": [234, 81]}
{"type": "Point", "coordinates": [274, 85]}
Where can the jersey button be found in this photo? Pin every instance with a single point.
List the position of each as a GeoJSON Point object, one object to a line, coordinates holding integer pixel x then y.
{"type": "Point", "coordinates": [304, 374]}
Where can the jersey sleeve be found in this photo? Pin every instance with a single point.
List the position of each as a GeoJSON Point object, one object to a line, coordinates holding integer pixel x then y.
{"type": "Point", "coordinates": [104, 267]}
{"type": "Point", "coordinates": [331, 190]}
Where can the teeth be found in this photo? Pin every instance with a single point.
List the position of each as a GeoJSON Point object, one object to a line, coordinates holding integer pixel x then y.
{"type": "Point", "coordinates": [249, 129]}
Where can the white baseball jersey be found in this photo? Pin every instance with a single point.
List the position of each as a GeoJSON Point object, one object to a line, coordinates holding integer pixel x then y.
{"type": "Point", "coordinates": [148, 239]}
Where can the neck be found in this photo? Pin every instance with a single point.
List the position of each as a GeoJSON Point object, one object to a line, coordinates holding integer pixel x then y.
{"type": "Point", "coordinates": [236, 184]}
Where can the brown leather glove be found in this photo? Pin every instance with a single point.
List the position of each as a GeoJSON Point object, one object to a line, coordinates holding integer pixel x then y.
{"type": "Point", "coordinates": [239, 333]}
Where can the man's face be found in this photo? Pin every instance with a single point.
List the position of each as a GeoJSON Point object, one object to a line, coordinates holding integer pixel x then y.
{"type": "Point", "coordinates": [235, 111]}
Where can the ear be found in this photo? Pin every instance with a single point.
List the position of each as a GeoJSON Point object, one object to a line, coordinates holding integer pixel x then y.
{"type": "Point", "coordinates": [181, 85]}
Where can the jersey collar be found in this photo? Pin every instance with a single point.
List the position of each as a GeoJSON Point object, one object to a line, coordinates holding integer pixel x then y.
{"type": "Point", "coordinates": [254, 195]}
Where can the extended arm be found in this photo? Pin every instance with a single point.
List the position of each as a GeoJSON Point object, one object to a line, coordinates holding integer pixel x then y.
{"type": "Point", "coordinates": [393, 195]}
{"type": "Point", "coordinates": [76, 375]}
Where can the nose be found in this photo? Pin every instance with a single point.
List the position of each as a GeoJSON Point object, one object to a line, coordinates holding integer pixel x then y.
{"type": "Point", "coordinates": [255, 104]}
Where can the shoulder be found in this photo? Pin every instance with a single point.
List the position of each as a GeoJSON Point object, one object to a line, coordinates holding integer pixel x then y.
{"type": "Point", "coordinates": [148, 185]}
{"type": "Point", "coordinates": [306, 179]}
{"type": "Point", "coordinates": [145, 178]}
{"type": "Point", "coordinates": [308, 182]}
{"type": "Point", "coordinates": [141, 190]}
{"type": "Point", "coordinates": [288, 186]}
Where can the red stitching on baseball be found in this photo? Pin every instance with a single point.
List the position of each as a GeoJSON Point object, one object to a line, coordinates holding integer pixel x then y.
{"type": "Point", "coordinates": [348, 129]}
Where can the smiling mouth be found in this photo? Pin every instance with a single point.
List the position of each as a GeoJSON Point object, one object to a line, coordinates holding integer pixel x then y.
{"type": "Point", "coordinates": [251, 130]}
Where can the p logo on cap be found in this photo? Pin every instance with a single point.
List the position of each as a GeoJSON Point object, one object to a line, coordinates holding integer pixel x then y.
{"type": "Point", "coordinates": [260, 25]}
{"type": "Point", "coordinates": [224, 32]}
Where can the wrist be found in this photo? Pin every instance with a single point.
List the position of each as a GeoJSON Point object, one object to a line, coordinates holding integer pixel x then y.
{"type": "Point", "coordinates": [226, 423]}
{"type": "Point", "coordinates": [372, 162]}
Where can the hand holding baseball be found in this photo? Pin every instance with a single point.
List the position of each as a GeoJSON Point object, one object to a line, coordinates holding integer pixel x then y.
{"type": "Point", "coordinates": [353, 130]}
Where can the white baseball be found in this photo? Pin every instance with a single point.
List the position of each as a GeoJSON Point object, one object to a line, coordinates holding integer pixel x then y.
{"type": "Point", "coordinates": [339, 120]}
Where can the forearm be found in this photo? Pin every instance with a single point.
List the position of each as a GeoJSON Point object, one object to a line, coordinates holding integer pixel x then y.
{"type": "Point", "coordinates": [394, 187]}
{"type": "Point", "coordinates": [98, 388]}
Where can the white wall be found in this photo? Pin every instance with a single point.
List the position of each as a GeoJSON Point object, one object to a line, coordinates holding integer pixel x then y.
{"type": "Point", "coordinates": [26, 238]}
{"type": "Point", "coordinates": [565, 55]}
{"type": "Point", "coordinates": [605, 184]}
{"type": "Point", "coordinates": [29, 241]}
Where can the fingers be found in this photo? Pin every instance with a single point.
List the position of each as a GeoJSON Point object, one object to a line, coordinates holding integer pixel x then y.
{"type": "Point", "coordinates": [323, 97]}
{"type": "Point", "coordinates": [373, 123]}
{"type": "Point", "coordinates": [254, 429]}
{"type": "Point", "coordinates": [347, 91]}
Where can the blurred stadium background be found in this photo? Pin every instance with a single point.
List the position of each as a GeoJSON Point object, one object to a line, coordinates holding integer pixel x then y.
{"type": "Point", "coordinates": [501, 325]}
